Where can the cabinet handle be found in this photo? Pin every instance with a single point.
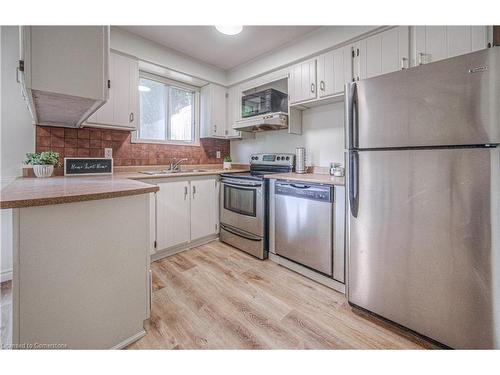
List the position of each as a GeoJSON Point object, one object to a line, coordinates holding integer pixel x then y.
{"type": "Point", "coordinates": [322, 85]}
{"type": "Point", "coordinates": [312, 87]}
{"type": "Point", "coordinates": [225, 132]}
{"type": "Point", "coordinates": [131, 117]}
{"type": "Point", "coordinates": [185, 192]}
{"type": "Point", "coordinates": [17, 75]}
{"type": "Point", "coordinates": [422, 58]}
{"type": "Point", "coordinates": [194, 190]}
{"type": "Point", "coordinates": [404, 62]}
{"type": "Point", "coordinates": [215, 128]}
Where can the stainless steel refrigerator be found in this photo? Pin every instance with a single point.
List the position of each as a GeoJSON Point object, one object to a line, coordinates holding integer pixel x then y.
{"type": "Point", "coordinates": [423, 182]}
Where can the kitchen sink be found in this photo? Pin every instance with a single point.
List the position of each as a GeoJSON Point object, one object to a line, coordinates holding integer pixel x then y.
{"type": "Point", "coordinates": [167, 172]}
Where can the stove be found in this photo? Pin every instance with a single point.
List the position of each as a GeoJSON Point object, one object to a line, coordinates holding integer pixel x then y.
{"type": "Point", "coordinates": [262, 164]}
{"type": "Point", "coordinates": [244, 203]}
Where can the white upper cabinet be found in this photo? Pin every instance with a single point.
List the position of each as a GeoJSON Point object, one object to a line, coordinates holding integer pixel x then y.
{"type": "Point", "coordinates": [204, 202]}
{"type": "Point", "coordinates": [382, 53]}
{"type": "Point", "coordinates": [120, 111]}
{"type": "Point", "coordinates": [213, 111]}
{"type": "Point", "coordinates": [302, 83]}
{"type": "Point", "coordinates": [63, 72]}
{"type": "Point", "coordinates": [334, 71]}
{"type": "Point", "coordinates": [233, 111]}
{"type": "Point", "coordinates": [434, 43]}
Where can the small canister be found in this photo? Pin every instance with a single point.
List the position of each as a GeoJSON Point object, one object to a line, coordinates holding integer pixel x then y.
{"type": "Point", "coordinates": [300, 160]}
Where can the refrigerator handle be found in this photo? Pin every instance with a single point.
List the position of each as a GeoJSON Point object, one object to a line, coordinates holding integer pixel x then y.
{"type": "Point", "coordinates": [353, 182]}
{"type": "Point", "coordinates": [351, 117]}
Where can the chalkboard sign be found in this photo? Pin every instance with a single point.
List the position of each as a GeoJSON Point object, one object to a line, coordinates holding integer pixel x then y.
{"type": "Point", "coordinates": [87, 166]}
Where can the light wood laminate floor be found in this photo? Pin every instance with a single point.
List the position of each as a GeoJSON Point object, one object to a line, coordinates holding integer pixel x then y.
{"type": "Point", "coordinates": [217, 297]}
{"type": "Point", "coordinates": [5, 314]}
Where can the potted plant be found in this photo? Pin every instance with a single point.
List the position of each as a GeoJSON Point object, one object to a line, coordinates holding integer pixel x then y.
{"type": "Point", "coordinates": [43, 162]}
{"type": "Point", "coordinates": [227, 162]}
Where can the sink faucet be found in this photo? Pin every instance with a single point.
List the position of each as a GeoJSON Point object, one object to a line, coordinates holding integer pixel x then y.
{"type": "Point", "coordinates": [174, 166]}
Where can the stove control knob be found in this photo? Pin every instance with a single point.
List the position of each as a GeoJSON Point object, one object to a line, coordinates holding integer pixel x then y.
{"type": "Point", "coordinates": [288, 158]}
{"type": "Point", "coordinates": [278, 158]}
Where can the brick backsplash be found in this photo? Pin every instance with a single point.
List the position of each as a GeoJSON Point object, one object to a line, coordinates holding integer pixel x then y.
{"type": "Point", "coordinates": [88, 142]}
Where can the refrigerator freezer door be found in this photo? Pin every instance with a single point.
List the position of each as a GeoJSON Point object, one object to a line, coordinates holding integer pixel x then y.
{"type": "Point", "coordinates": [424, 248]}
{"type": "Point", "coordinates": [450, 102]}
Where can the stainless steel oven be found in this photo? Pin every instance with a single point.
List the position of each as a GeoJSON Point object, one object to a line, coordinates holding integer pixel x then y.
{"type": "Point", "coordinates": [243, 203]}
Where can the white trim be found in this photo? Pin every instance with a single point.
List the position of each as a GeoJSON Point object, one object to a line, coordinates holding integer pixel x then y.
{"type": "Point", "coordinates": [160, 254]}
{"type": "Point", "coordinates": [129, 340]}
{"type": "Point", "coordinates": [196, 128]}
{"type": "Point", "coordinates": [6, 275]}
{"type": "Point", "coordinates": [326, 281]}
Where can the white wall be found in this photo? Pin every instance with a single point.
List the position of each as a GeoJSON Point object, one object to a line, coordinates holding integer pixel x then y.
{"type": "Point", "coordinates": [17, 135]}
{"type": "Point", "coordinates": [322, 136]}
{"type": "Point", "coordinates": [155, 53]}
{"type": "Point", "coordinates": [322, 39]}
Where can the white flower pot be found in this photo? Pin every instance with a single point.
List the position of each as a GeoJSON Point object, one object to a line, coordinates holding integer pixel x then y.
{"type": "Point", "coordinates": [43, 170]}
{"type": "Point", "coordinates": [227, 165]}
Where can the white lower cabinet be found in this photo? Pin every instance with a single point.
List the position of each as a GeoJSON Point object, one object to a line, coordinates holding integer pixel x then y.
{"type": "Point", "coordinates": [172, 214]}
{"type": "Point", "coordinates": [203, 208]}
{"type": "Point", "coordinates": [186, 211]}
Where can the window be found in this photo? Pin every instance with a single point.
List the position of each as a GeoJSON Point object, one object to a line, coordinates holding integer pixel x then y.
{"type": "Point", "coordinates": [168, 112]}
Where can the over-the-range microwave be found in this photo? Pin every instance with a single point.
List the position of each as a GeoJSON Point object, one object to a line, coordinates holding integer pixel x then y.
{"type": "Point", "coordinates": [262, 102]}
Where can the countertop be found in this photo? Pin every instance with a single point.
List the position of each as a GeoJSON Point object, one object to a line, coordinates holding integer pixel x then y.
{"type": "Point", "coordinates": [316, 178]}
{"type": "Point", "coordinates": [32, 191]}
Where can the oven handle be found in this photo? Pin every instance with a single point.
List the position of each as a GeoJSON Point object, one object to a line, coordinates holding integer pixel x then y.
{"type": "Point", "coordinates": [240, 233]}
{"type": "Point", "coordinates": [238, 185]}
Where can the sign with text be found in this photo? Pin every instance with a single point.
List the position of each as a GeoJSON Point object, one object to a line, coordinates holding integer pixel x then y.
{"type": "Point", "coordinates": [87, 166]}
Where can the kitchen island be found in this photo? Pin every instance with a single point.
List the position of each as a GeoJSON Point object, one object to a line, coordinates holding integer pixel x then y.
{"type": "Point", "coordinates": [81, 261]}
{"type": "Point", "coordinates": [81, 276]}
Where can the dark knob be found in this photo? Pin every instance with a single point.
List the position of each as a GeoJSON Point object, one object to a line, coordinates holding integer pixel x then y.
{"type": "Point", "coordinates": [288, 158]}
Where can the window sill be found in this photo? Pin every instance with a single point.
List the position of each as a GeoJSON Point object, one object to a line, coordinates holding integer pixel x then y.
{"type": "Point", "coordinates": [170, 143]}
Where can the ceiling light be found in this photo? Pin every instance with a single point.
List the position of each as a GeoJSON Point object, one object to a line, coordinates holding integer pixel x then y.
{"type": "Point", "coordinates": [229, 30]}
{"type": "Point", "coordinates": [144, 88]}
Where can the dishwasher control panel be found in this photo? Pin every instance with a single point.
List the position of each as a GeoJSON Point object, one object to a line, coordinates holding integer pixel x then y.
{"type": "Point", "coordinates": [305, 191]}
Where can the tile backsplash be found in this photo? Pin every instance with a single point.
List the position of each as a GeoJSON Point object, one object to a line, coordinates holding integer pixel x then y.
{"type": "Point", "coordinates": [89, 142]}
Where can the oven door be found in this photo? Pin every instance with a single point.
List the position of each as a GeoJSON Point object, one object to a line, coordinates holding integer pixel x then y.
{"type": "Point", "coordinates": [242, 205]}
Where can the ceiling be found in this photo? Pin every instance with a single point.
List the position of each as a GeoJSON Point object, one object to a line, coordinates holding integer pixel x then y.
{"type": "Point", "coordinates": [205, 43]}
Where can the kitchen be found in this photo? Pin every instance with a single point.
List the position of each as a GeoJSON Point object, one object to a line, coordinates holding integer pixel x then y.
{"type": "Point", "coordinates": [202, 194]}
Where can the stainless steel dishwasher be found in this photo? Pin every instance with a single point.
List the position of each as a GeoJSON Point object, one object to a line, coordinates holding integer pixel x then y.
{"type": "Point", "coordinates": [304, 222]}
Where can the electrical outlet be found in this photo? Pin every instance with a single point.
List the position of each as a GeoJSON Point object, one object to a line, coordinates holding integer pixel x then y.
{"type": "Point", "coordinates": [217, 154]}
{"type": "Point", "coordinates": [108, 153]}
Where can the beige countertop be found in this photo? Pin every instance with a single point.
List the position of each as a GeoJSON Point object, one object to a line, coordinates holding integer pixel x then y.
{"type": "Point", "coordinates": [32, 191]}
{"type": "Point", "coordinates": [309, 177]}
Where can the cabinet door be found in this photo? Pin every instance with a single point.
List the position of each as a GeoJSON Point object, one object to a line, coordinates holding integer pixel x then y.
{"type": "Point", "coordinates": [434, 43]}
{"type": "Point", "coordinates": [302, 82]}
{"type": "Point", "coordinates": [219, 110]}
{"type": "Point", "coordinates": [120, 111]}
{"type": "Point", "coordinates": [213, 111]}
{"type": "Point", "coordinates": [359, 60]}
{"type": "Point", "coordinates": [387, 52]}
{"type": "Point", "coordinates": [327, 73]}
{"type": "Point", "coordinates": [203, 208]}
{"type": "Point", "coordinates": [172, 214]}
{"type": "Point", "coordinates": [233, 111]}
{"type": "Point", "coordinates": [309, 80]}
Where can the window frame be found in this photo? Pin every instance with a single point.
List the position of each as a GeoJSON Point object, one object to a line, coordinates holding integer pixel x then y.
{"type": "Point", "coordinates": [195, 127]}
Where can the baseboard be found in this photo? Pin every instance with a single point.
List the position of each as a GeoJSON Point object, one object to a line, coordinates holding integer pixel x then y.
{"type": "Point", "coordinates": [6, 275]}
{"type": "Point", "coordinates": [310, 274]}
{"type": "Point", "coordinates": [182, 247]}
{"type": "Point", "coordinates": [129, 340]}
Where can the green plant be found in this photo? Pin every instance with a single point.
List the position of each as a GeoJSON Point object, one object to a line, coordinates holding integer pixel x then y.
{"type": "Point", "coordinates": [42, 158]}
{"type": "Point", "coordinates": [228, 159]}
